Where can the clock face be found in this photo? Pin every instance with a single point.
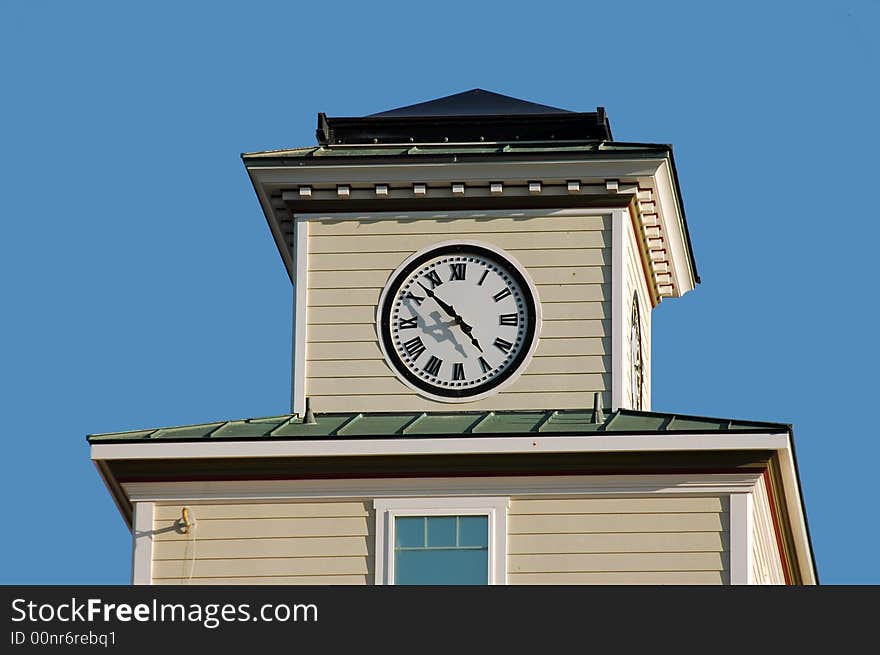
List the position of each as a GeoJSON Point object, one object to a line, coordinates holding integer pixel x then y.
{"type": "Point", "coordinates": [458, 320]}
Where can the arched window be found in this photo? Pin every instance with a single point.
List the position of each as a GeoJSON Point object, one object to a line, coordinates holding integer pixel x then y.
{"type": "Point", "coordinates": [635, 344]}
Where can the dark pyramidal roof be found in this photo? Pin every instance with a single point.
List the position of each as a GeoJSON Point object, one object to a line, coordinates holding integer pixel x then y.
{"type": "Point", "coordinates": [476, 102]}
{"type": "Point", "coordinates": [468, 117]}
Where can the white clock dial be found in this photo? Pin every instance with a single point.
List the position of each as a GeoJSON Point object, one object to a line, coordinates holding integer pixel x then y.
{"type": "Point", "coordinates": [458, 320]}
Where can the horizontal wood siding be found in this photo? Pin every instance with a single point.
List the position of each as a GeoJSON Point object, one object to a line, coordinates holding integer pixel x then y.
{"type": "Point", "coordinates": [618, 541]}
{"type": "Point", "coordinates": [265, 543]}
{"type": "Point", "coordinates": [350, 261]}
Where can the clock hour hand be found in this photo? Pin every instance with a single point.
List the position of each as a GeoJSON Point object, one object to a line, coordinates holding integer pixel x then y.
{"type": "Point", "coordinates": [468, 330]}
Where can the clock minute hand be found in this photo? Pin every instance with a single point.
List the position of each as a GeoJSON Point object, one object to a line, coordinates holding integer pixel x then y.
{"type": "Point", "coordinates": [449, 309]}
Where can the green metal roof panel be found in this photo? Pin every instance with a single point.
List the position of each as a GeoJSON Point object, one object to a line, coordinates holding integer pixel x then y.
{"type": "Point", "coordinates": [688, 423]}
{"type": "Point", "coordinates": [325, 427]}
{"type": "Point", "coordinates": [249, 428]}
{"type": "Point", "coordinates": [131, 435]}
{"type": "Point", "coordinates": [569, 421]}
{"type": "Point", "coordinates": [445, 423]}
{"type": "Point", "coordinates": [186, 431]}
{"type": "Point", "coordinates": [415, 424]}
{"type": "Point", "coordinates": [365, 425]}
{"type": "Point", "coordinates": [636, 423]}
{"type": "Point", "coordinates": [509, 423]}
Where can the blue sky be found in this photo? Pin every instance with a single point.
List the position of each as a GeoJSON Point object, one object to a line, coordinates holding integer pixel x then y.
{"type": "Point", "coordinates": [140, 286]}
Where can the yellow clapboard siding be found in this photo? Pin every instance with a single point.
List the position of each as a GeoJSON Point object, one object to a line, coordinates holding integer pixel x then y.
{"type": "Point", "coordinates": [575, 329]}
{"type": "Point", "coordinates": [389, 261]}
{"type": "Point", "coordinates": [342, 333]}
{"type": "Point", "coordinates": [270, 580]}
{"type": "Point", "coordinates": [369, 296]}
{"type": "Point", "coordinates": [616, 505]}
{"type": "Point", "coordinates": [347, 279]}
{"type": "Point", "coordinates": [390, 385]}
{"type": "Point", "coordinates": [562, 311]}
{"type": "Point", "coordinates": [621, 578]}
{"type": "Point", "coordinates": [458, 225]}
{"type": "Point", "coordinates": [356, 350]}
{"type": "Point", "coordinates": [574, 292]}
{"type": "Point", "coordinates": [413, 403]}
{"type": "Point", "coordinates": [272, 527]}
{"type": "Point", "coordinates": [412, 242]}
{"type": "Point", "coordinates": [336, 369]}
{"type": "Point", "coordinates": [257, 510]}
{"type": "Point", "coordinates": [571, 364]}
{"type": "Point", "coordinates": [562, 257]}
{"type": "Point", "coordinates": [263, 548]}
{"type": "Point", "coordinates": [363, 350]}
{"type": "Point", "coordinates": [572, 275]}
{"type": "Point", "coordinates": [549, 330]}
{"type": "Point", "coordinates": [570, 347]}
{"type": "Point", "coordinates": [343, 297]}
{"type": "Point", "coordinates": [602, 562]}
{"type": "Point", "coordinates": [378, 368]}
{"type": "Point", "coordinates": [348, 315]}
{"type": "Point", "coordinates": [567, 256]}
{"type": "Point", "coordinates": [366, 314]}
{"type": "Point", "coordinates": [663, 542]}
{"type": "Point", "coordinates": [378, 278]}
{"type": "Point", "coordinates": [579, 523]}
{"type": "Point", "coordinates": [258, 567]}
{"type": "Point", "coordinates": [357, 261]}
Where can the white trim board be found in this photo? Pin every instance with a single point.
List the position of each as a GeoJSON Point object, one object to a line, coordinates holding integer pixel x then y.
{"type": "Point", "coordinates": [300, 319]}
{"type": "Point", "coordinates": [457, 214]}
{"type": "Point", "coordinates": [741, 538]}
{"type": "Point", "coordinates": [594, 443]}
{"type": "Point", "coordinates": [586, 170]}
{"type": "Point", "coordinates": [599, 485]}
{"type": "Point", "coordinates": [618, 308]}
{"type": "Point", "coordinates": [142, 544]}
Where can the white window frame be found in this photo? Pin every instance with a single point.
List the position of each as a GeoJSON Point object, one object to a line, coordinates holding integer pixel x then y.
{"type": "Point", "coordinates": [388, 509]}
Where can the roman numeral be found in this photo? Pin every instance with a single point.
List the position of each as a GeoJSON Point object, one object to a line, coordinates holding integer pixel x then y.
{"type": "Point", "coordinates": [434, 279]}
{"type": "Point", "coordinates": [457, 271]}
{"type": "Point", "coordinates": [485, 273]}
{"type": "Point", "coordinates": [407, 323]}
{"type": "Point", "coordinates": [502, 345]}
{"type": "Point", "coordinates": [484, 365]}
{"type": "Point", "coordinates": [458, 371]}
{"type": "Point", "coordinates": [414, 347]}
{"type": "Point", "coordinates": [433, 366]}
{"type": "Point", "coordinates": [416, 299]}
{"type": "Point", "coordinates": [507, 319]}
{"type": "Point", "coordinates": [501, 294]}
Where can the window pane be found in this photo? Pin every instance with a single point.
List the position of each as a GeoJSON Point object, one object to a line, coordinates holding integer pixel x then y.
{"type": "Point", "coordinates": [410, 531]}
{"type": "Point", "coordinates": [441, 550]}
{"type": "Point", "coordinates": [473, 531]}
{"type": "Point", "coordinates": [441, 567]}
{"type": "Point", "coordinates": [441, 531]}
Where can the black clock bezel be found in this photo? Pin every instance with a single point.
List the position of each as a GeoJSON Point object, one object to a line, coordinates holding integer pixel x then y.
{"type": "Point", "coordinates": [393, 286]}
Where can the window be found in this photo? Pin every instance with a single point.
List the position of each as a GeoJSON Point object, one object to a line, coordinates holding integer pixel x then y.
{"type": "Point", "coordinates": [441, 541]}
{"type": "Point", "coordinates": [635, 343]}
{"type": "Point", "coordinates": [438, 550]}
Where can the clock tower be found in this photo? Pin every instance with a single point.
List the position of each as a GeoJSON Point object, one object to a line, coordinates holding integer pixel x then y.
{"type": "Point", "coordinates": [473, 282]}
{"type": "Point", "coordinates": [475, 252]}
